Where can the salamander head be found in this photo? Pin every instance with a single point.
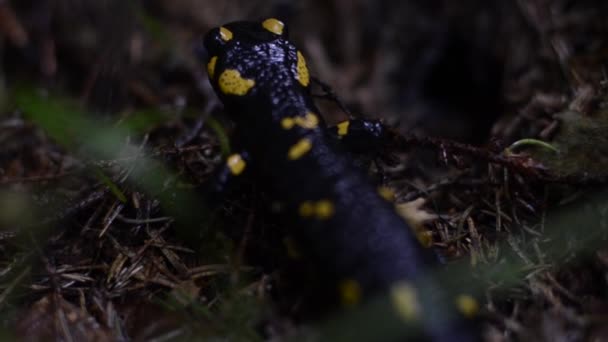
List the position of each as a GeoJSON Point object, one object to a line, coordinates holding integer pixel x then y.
{"type": "Point", "coordinates": [247, 58]}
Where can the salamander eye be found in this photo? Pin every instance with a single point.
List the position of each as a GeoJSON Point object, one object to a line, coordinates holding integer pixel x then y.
{"type": "Point", "coordinates": [275, 26]}
{"type": "Point", "coordinates": [216, 39]}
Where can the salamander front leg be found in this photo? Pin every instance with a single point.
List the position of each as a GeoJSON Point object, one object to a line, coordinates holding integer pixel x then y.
{"type": "Point", "coordinates": [361, 135]}
{"type": "Point", "coordinates": [367, 140]}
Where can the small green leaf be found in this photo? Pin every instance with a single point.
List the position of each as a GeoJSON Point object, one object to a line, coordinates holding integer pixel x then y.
{"type": "Point", "coordinates": [531, 142]}
{"type": "Point", "coordinates": [111, 185]}
{"type": "Point", "coordinates": [221, 135]}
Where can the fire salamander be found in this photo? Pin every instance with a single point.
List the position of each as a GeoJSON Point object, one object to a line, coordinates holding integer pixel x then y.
{"type": "Point", "coordinates": [341, 220]}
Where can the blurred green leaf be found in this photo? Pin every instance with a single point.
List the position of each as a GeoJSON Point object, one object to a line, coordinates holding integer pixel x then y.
{"type": "Point", "coordinates": [70, 126]}
{"type": "Point", "coordinates": [222, 136]}
{"type": "Point", "coordinates": [143, 120]}
{"type": "Point", "coordinates": [111, 185]}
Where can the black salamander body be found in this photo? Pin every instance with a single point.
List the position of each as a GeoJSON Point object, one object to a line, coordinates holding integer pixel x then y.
{"type": "Point", "coordinates": [340, 219]}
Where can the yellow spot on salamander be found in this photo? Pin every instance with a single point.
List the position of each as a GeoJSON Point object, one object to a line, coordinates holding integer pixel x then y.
{"type": "Point", "coordinates": [299, 149]}
{"type": "Point", "coordinates": [211, 66]}
{"type": "Point", "coordinates": [292, 248]}
{"type": "Point", "coordinates": [303, 75]}
{"type": "Point", "coordinates": [225, 34]}
{"type": "Point", "coordinates": [322, 209]}
{"type": "Point", "coordinates": [467, 305]}
{"type": "Point", "coordinates": [350, 293]}
{"type": "Point", "coordinates": [309, 121]}
{"type": "Point", "coordinates": [307, 209]}
{"type": "Point", "coordinates": [386, 193]}
{"type": "Point", "coordinates": [325, 209]}
{"type": "Point", "coordinates": [288, 123]}
{"type": "Point", "coordinates": [343, 128]}
{"type": "Point", "coordinates": [405, 301]}
{"type": "Point", "coordinates": [236, 164]}
{"type": "Point", "coordinates": [231, 83]}
{"type": "Point", "coordinates": [273, 25]}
